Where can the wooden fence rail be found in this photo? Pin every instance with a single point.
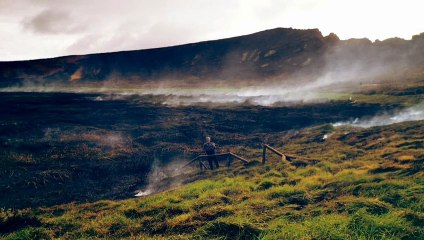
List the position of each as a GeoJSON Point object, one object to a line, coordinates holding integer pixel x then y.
{"type": "Point", "coordinates": [265, 147]}
{"type": "Point", "coordinates": [228, 154]}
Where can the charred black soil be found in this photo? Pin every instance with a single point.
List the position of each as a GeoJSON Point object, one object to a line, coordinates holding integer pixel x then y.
{"type": "Point", "coordinates": [63, 147]}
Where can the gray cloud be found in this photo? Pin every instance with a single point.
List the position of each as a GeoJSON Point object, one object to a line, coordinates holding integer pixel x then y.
{"type": "Point", "coordinates": [52, 21]}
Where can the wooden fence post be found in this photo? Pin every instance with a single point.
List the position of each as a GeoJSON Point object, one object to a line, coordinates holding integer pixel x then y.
{"type": "Point", "coordinates": [229, 160]}
{"type": "Point", "coordinates": [230, 157]}
{"type": "Point", "coordinates": [264, 154]}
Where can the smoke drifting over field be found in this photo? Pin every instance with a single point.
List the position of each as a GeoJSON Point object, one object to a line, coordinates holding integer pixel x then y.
{"type": "Point", "coordinates": [305, 67]}
{"type": "Point", "coordinates": [164, 176]}
{"type": "Point", "coordinates": [343, 72]}
{"type": "Point", "coordinates": [415, 113]}
{"type": "Point", "coordinates": [346, 67]}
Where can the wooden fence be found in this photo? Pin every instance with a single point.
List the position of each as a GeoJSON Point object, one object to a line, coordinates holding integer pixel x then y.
{"type": "Point", "coordinates": [284, 157]}
{"type": "Point", "coordinates": [265, 147]}
{"type": "Point", "coordinates": [229, 156]}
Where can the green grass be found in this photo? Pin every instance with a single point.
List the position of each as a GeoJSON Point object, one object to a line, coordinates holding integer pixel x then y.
{"type": "Point", "coordinates": [362, 184]}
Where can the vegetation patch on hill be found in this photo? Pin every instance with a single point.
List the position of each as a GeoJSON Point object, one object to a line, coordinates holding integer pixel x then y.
{"type": "Point", "coordinates": [364, 184]}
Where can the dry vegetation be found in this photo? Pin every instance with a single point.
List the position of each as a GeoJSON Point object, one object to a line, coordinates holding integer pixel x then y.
{"type": "Point", "coordinates": [64, 178]}
{"type": "Point", "coordinates": [364, 184]}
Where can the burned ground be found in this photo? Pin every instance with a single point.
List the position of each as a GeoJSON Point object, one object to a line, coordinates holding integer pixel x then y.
{"type": "Point", "coordinates": [61, 147]}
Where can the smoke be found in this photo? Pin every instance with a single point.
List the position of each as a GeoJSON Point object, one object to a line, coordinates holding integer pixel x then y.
{"type": "Point", "coordinates": [108, 140]}
{"type": "Point", "coordinates": [163, 176]}
{"type": "Point", "coordinates": [248, 95]}
{"type": "Point", "coordinates": [414, 113]}
{"type": "Point", "coordinates": [349, 66]}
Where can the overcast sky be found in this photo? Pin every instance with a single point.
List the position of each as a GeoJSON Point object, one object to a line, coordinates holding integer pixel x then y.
{"type": "Point", "coordinates": [32, 29]}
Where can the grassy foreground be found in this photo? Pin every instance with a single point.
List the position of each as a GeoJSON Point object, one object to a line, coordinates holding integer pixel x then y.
{"type": "Point", "coordinates": [356, 184]}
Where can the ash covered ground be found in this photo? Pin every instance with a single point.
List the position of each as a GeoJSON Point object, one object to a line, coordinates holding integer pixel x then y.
{"type": "Point", "coordinates": [64, 147]}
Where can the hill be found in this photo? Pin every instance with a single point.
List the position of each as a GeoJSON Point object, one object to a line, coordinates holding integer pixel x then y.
{"type": "Point", "coordinates": [236, 57]}
{"type": "Point", "coordinates": [281, 53]}
{"type": "Point", "coordinates": [362, 184]}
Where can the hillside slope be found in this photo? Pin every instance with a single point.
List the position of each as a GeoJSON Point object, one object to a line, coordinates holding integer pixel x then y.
{"type": "Point", "coordinates": [361, 184]}
{"type": "Point", "coordinates": [278, 53]}
{"type": "Point", "coordinates": [237, 57]}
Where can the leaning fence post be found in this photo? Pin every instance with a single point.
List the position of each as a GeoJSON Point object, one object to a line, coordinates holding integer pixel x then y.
{"type": "Point", "coordinates": [229, 158]}
{"type": "Point", "coordinates": [264, 154]}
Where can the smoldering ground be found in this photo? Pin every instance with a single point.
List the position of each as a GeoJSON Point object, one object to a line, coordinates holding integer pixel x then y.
{"type": "Point", "coordinates": [76, 148]}
{"type": "Point", "coordinates": [166, 175]}
{"type": "Point", "coordinates": [414, 113]}
{"type": "Point", "coordinates": [68, 162]}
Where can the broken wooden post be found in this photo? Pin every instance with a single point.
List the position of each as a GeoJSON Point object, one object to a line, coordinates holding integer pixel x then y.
{"type": "Point", "coordinates": [229, 161]}
{"type": "Point", "coordinates": [274, 150]}
{"type": "Point", "coordinates": [200, 165]}
{"type": "Point", "coordinates": [283, 157]}
{"type": "Point", "coordinates": [204, 166]}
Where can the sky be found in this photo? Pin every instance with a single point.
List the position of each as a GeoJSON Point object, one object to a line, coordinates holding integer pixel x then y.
{"type": "Point", "coordinates": [32, 29]}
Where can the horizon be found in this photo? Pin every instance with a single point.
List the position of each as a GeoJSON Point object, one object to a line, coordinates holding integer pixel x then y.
{"type": "Point", "coordinates": [46, 29]}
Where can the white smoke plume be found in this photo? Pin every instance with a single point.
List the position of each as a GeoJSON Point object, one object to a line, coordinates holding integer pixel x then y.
{"type": "Point", "coordinates": [347, 68]}
{"type": "Point", "coordinates": [163, 176]}
{"type": "Point", "coordinates": [414, 113]}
